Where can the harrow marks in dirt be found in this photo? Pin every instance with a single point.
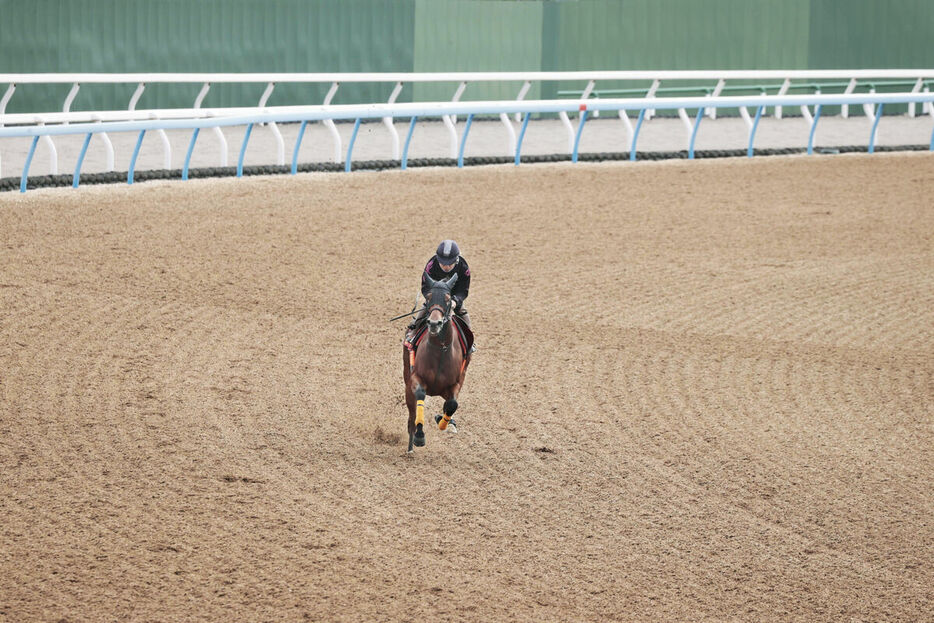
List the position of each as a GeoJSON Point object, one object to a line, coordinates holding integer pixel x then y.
{"type": "Point", "coordinates": [706, 392]}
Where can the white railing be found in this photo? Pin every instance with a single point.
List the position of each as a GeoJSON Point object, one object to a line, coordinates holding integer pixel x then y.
{"type": "Point", "coordinates": [783, 81]}
{"type": "Point", "coordinates": [874, 104]}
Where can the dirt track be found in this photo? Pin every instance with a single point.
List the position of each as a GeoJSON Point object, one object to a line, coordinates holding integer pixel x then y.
{"type": "Point", "coordinates": [704, 391]}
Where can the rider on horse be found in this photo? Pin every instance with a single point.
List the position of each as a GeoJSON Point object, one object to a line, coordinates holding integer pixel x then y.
{"type": "Point", "coordinates": [446, 261]}
{"type": "Point", "coordinates": [437, 366]}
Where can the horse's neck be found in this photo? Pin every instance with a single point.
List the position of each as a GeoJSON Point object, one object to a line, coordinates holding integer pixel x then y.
{"type": "Point", "coordinates": [443, 340]}
{"type": "Point", "coordinates": [437, 357]}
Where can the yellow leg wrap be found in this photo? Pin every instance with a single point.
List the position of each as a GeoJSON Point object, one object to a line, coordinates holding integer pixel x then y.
{"type": "Point", "coordinates": [420, 412]}
{"type": "Point", "coordinates": [443, 424]}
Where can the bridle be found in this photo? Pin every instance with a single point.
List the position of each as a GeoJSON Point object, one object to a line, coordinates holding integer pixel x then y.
{"type": "Point", "coordinates": [445, 318]}
{"type": "Point", "coordinates": [445, 315]}
{"type": "Point", "coordinates": [446, 310]}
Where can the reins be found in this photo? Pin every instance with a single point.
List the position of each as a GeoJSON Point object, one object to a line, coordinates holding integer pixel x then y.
{"type": "Point", "coordinates": [414, 311]}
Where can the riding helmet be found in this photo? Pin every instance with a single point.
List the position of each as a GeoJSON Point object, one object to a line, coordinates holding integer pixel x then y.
{"type": "Point", "coordinates": [448, 252]}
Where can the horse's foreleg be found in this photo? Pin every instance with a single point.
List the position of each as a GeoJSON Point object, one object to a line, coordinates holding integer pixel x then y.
{"type": "Point", "coordinates": [409, 396]}
{"type": "Point", "coordinates": [410, 404]}
{"type": "Point", "coordinates": [450, 406]}
{"type": "Point", "coordinates": [417, 422]}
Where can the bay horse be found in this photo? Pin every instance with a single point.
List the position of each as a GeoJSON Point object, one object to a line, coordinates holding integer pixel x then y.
{"type": "Point", "coordinates": [438, 364]}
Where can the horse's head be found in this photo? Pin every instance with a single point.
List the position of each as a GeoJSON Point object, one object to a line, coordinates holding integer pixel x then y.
{"type": "Point", "coordinates": [439, 303]}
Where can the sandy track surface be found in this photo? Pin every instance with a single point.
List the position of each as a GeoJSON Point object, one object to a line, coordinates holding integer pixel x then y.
{"type": "Point", "coordinates": [704, 391]}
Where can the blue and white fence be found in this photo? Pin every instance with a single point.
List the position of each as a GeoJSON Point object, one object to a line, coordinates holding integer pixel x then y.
{"type": "Point", "coordinates": [77, 123]}
{"type": "Point", "coordinates": [590, 85]}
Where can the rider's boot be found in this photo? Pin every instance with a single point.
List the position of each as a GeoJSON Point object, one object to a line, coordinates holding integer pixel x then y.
{"type": "Point", "coordinates": [466, 318]}
{"type": "Point", "coordinates": [410, 333]}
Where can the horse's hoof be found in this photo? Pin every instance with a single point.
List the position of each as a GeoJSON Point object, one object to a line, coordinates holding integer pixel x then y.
{"type": "Point", "coordinates": [451, 427]}
{"type": "Point", "coordinates": [419, 438]}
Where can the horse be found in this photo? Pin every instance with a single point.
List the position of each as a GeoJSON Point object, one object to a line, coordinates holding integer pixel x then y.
{"type": "Point", "coordinates": [438, 365]}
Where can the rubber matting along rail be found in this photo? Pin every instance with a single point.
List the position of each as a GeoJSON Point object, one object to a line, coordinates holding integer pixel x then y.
{"type": "Point", "coordinates": [117, 177]}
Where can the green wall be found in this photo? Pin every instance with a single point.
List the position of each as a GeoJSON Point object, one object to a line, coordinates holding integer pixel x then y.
{"type": "Point", "coordinates": [870, 33]}
{"type": "Point", "coordinates": [478, 35]}
{"type": "Point", "coordinates": [437, 35]}
{"type": "Point", "coordinates": [202, 36]}
{"type": "Point", "coordinates": [675, 34]}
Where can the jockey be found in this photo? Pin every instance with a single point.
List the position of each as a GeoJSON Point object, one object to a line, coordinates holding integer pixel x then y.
{"type": "Point", "coordinates": [446, 262]}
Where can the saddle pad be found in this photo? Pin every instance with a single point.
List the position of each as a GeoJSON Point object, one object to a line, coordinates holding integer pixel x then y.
{"type": "Point", "coordinates": [464, 334]}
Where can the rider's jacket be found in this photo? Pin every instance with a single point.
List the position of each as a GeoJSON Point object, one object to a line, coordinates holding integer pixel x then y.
{"type": "Point", "coordinates": [433, 270]}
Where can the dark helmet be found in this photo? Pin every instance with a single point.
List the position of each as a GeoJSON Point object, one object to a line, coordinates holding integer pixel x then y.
{"type": "Point", "coordinates": [448, 252]}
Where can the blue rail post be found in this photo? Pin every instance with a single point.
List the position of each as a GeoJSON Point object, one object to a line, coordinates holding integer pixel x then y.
{"type": "Point", "coordinates": [246, 139]}
{"type": "Point", "coordinates": [635, 136]}
{"type": "Point", "coordinates": [408, 139]}
{"type": "Point", "coordinates": [580, 129]}
{"type": "Point", "coordinates": [700, 116]}
{"type": "Point", "coordinates": [813, 128]}
{"type": "Point", "coordinates": [139, 142]}
{"type": "Point", "coordinates": [460, 154]}
{"type": "Point", "coordinates": [875, 124]}
{"type": "Point", "coordinates": [525, 124]}
{"type": "Point", "coordinates": [76, 178]}
{"type": "Point", "coordinates": [353, 138]}
{"type": "Point", "coordinates": [752, 132]}
{"type": "Point", "coordinates": [298, 142]}
{"type": "Point", "coordinates": [191, 148]}
{"type": "Point", "coordinates": [32, 150]}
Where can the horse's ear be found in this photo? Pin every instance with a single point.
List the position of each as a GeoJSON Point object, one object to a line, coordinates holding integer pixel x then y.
{"type": "Point", "coordinates": [431, 282]}
{"type": "Point", "coordinates": [450, 282]}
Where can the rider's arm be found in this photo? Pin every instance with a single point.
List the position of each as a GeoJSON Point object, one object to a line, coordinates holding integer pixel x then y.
{"type": "Point", "coordinates": [462, 287]}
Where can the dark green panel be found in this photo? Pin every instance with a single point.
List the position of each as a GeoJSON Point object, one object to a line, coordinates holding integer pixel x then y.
{"type": "Point", "coordinates": [202, 36]}
{"type": "Point", "coordinates": [861, 34]}
{"type": "Point", "coordinates": [675, 35]}
{"type": "Point", "coordinates": [479, 35]}
{"type": "Point", "coordinates": [683, 34]}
